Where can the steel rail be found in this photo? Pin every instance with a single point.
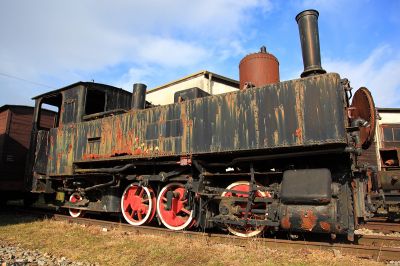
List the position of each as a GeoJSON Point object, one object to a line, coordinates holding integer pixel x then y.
{"type": "Point", "coordinates": [382, 227]}
{"type": "Point", "coordinates": [378, 240]}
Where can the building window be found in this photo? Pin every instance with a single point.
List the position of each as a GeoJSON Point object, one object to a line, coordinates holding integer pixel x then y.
{"type": "Point", "coordinates": [391, 133]}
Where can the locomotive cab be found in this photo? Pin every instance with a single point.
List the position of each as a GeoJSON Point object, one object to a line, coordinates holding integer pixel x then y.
{"type": "Point", "coordinates": [76, 103]}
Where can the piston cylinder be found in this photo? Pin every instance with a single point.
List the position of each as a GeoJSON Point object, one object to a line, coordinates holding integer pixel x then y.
{"type": "Point", "coordinates": [309, 218]}
{"type": "Point", "coordinates": [309, 38]}
{"type": "Point", "coordinates": [258, 69]}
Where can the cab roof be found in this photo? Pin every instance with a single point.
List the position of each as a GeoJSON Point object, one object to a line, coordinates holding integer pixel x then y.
{"type": "Point", "coordinates": [84, 83]}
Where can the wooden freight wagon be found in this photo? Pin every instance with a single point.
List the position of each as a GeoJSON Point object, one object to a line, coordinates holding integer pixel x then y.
{"type": "Point", "coordinates": [15, 134]}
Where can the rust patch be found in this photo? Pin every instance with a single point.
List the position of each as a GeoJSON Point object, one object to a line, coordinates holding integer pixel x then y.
{"type": "Point", "coordinates": [185, 160]}
{"type": "Point", "coordinates": [91, 156]}
{"type": "Point", "coordinates": [299, 133]}
{"type": "Point", "coordinates": [325, 226]}
{"type": "Point", "coordinates": [299, 107]}
{"type": "Point", "coordinates": [69, 148]}
{"type": "Point", "coordinates": [138, 151]}
{"type": "Point", "coordinates": [285, 222]}
{"type": "Point", "coordinates": [308, 220]}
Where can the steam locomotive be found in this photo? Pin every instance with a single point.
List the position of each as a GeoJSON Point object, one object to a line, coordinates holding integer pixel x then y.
{"type": "Point", "coordinates": [282, 156]}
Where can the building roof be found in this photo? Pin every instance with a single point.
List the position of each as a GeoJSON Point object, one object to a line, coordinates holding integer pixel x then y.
{"type": "Point", "coordinates": [14, 106]}
{"type": "Point", "coordinates": [388, 110]}
{"type": "Point", "coordinates": [20, 107]}
{"type": "Point", "coordinates": [206, 73]}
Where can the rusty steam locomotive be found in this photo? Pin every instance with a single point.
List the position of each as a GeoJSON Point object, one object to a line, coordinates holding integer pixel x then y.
{"type": "Point", "coordinates": [277, 157]}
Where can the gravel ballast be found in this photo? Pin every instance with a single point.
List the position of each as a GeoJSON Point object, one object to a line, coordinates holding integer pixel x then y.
{"type": "Point", "coordinates": [17, 255]}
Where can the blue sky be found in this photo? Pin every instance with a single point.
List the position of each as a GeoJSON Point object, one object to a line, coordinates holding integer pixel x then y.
{"type": "Point", "coordinates": [56, 43]}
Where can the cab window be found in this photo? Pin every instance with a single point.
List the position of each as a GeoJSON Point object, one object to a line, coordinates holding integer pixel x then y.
{"type": "Point", "coordinates": [49, 112]}
{"type": "Point", "coordinates": [95, 101]}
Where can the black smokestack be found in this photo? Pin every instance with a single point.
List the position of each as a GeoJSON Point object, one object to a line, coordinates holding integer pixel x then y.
{"type": "Point", "coordinates": [309, 38]}
{"type": "Point", "coordinates": [138, 96]}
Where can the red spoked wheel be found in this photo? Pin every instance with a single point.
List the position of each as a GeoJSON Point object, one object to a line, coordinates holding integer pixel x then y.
{"type": "Point", "coordinates": [178, 217]}
{"type": "Point", "coordinates": [248, 230]}
{"type": "Point", "coordinates": [74, 198]}
{"type": "Point", "coordinates": [138, 204]}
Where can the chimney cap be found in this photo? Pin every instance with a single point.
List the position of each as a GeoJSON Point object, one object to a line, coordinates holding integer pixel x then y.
{"type": "Point", "coordinates": [306, 13]}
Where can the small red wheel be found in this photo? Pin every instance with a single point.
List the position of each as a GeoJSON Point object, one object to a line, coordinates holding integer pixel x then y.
{"type": "Point", "coordinates": [138, 204]}
{"type": "Point", "coordinates": [249, 230]}
{"type": "Point", "coordinates": [178, 217]}
{"type": "Point", "coordinates": [74, 198]}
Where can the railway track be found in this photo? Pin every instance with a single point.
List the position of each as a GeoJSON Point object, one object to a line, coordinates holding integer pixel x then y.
{"type": "Point", "coordinates": [379, 248]}
{"type": "Point", "coordinates": [382, 226]}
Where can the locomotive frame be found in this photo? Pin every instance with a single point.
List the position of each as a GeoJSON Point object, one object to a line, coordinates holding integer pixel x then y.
{"type": "Point", "coordinates": [282, 156]}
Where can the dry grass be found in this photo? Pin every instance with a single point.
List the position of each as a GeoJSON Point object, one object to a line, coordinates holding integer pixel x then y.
{"type": "Point", "coordinates": [117, 247]}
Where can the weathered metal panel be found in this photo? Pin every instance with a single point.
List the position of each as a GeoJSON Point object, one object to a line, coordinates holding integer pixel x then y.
{"type": "Point", "coordinates": [303, 112]}
{"type": "Point", "coordinates": [72, 101]}
{"type": "Point", "coordinates": [63, 139]}
{"type": "Point", "coordinates": [117, 99]}
{"type": "Point", "coordinates": [62, 150]}
{"type": "Point", "coordinates": [41, 155]}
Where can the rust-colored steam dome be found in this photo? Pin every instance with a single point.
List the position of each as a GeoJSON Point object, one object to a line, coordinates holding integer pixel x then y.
{"type": "Point", "coordinates": [258, 69]}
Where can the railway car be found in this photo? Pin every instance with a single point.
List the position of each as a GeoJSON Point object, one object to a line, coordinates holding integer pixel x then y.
{"type": "Point", "coordinates": [384, 158]}
{"type": "Point", "coordinates": [271, 156]}
{"type": "Point", "coordinates": [15, 134]}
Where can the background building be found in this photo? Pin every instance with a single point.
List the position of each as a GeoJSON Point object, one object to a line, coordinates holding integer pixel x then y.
{"type": "Point", "coordinates": [383, 152]}
{"type": "Point", "coordinates": [207, 81]}
{"type": "Point", "coordinates": [388, 138]}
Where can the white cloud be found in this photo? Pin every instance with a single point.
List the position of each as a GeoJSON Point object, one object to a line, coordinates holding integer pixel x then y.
{"type": "Point", "coordinates": [379, 72]}
{"type": "Point", "coordinates": [140, 74]}
{"type": "Point", "coordinates": [233, 48]}
{"type": "Point", "coordinates": [65, 41]}
{"type": "Point", "coordinates": [210, 17]}
{"type": "Point", "coordinates": [169, 52]}
{"type": "Point", "coordinates": [97, 33]}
